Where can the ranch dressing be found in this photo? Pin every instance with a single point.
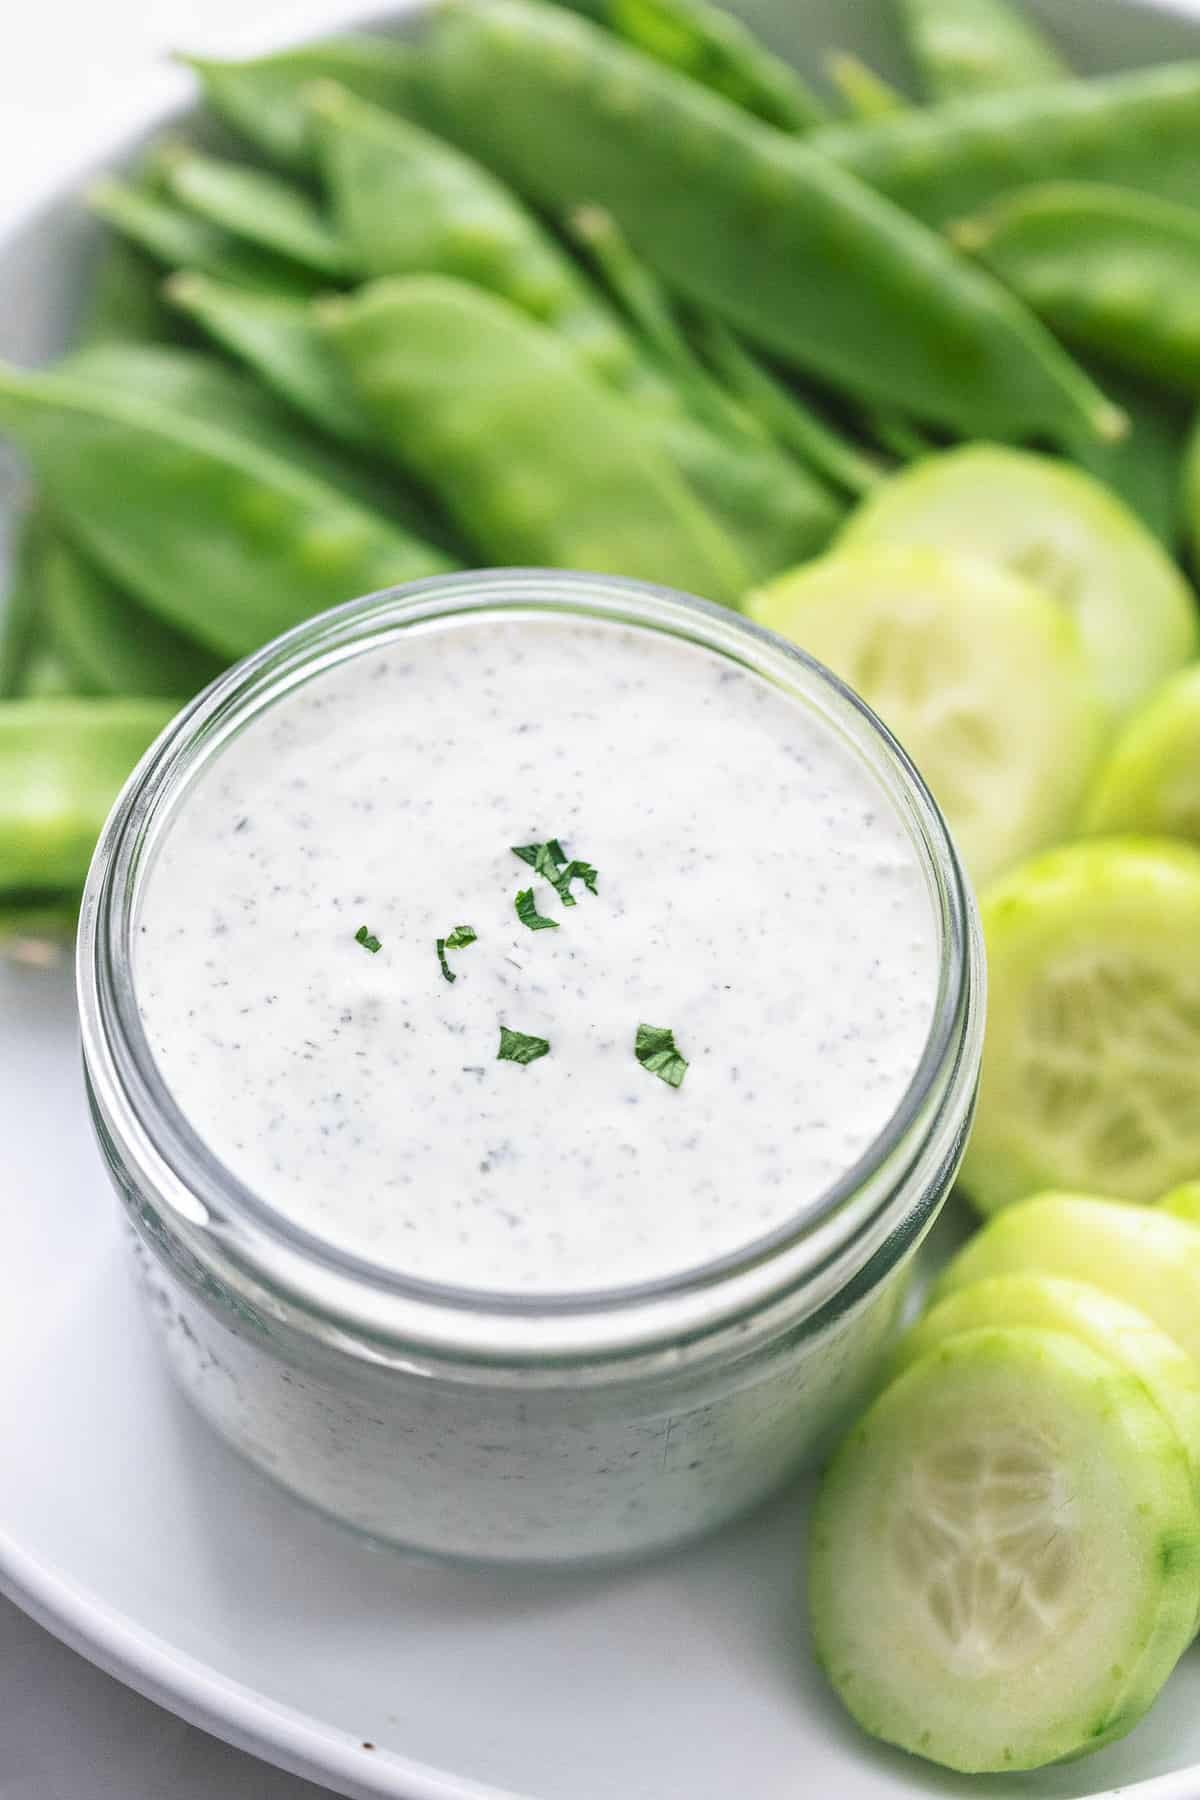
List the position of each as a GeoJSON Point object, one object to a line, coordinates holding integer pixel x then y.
{"type": "Point", "coordinates": [756, 894]}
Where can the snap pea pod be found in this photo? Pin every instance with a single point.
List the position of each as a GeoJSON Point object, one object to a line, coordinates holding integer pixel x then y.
{"type": "Point", "coordinates": [865, 94]}
{"type": "Point", "coordinates": [182, 241]}
{"type": "Point", "coordinates": [1139, 129]}
{"type": "Point", "coordinates": [203, 389]}
{"type": "Point", "coordinates": [978, 47]}
{"type": "Point", "coordinates": [222, 538]}
{"type": "Point", "coordinates": [750, 224]}
{"type": "Point", "coordinates": [716, 50]}
{"type": "Point", "coordinates": [1144, 468]}
{"type": "Point", "coordinates": [20, 614]}
{"type": "Point", "coordinates": [263, 98]}
{"type": "Point", "coordinates": [534, 458]}
{"type": "Point", "coordinates": [258, 208]}
{"type": "Point", "coordinates": [406, 202]}
{"type": "Point", "coordinates": [62, 764]}
{"type": "Point", "coordinates": [786, 416]}
{"type": "Point", "coordinates": [1112, 269]}
{"type": "Point", "coordinates": [124, 299]}
{"type": "Point", "coordinates": [279, 339]}
{"type": "Point", "coordinates": [107, 642]}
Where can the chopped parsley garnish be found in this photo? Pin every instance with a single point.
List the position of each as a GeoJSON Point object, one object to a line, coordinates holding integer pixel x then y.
{"type": "Point", "coordinates": [458, 939]}
{"type": "Point", "coordinates": [529, 915]}
{"type": "Point", "coordinates": [656, 1050]}
{"type": "Point", "coordinates": [519, 1047]}
{"type": "Point", "coordinates": [549, 860]}
{"type": "Point", "coordinates": [368, 940]}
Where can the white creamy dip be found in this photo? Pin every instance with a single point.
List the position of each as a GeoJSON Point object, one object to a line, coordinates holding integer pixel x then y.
{"type": "Point", "coordinates": [756, 893]}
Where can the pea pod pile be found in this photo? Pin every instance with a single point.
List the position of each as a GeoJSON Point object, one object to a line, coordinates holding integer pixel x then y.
{"type": "Point", "coordinates": [911, 376]}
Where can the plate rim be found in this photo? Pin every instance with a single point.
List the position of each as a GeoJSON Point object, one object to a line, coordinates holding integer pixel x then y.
{"type": "Point", "coordinates": [114, 1641]}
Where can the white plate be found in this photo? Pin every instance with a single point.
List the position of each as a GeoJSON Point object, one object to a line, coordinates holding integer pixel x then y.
{"type": "Point", "coordinates": [139, 1539]}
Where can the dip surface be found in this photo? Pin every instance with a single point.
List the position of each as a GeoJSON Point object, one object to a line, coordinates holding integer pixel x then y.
{"type": "Point", "coordinates": [757, 893]}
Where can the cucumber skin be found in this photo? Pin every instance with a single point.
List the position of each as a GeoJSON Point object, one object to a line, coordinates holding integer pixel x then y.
{"type": "Point", "coordinates": [1178, 1548]}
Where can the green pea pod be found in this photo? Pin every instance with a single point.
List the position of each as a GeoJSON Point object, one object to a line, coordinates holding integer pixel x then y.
{"type": "Point", "coordinates": [536, 460]}
{"type": "Point", "coordinates": [263, 99]}
{"type": "Point", "coordinates": [750, 224]}
{"type": "Point", "coordinates": [211, 393]}
{"type": "Point", "coordinates": [182, 241]}
{"type": "Point", "coordinates": [709, 46]}
{"type": "Point", "coordinates": [1139, 129]}
{"type": "Point", "coordinates": [222, 538]}
{"type": "Point", "coordinates": [407, 203]}
{"type": "Point", "coordinates": [279, 339]}
{"type": "Point", "coordinates": [967, 47]}
{"type": "Point", "coordinates": [124, 302]}
{"type": "Point", "coordinates": [21, 613]}
{"type": "Point", "coordinates": [865, 93]}
{"type": "Point", "coordinates": [62, 764]}
{"type": "Point", "coordinates": [1144, 468]}
{"type": "Point", "coordinates": [258, 208]}
{"type": "Point", "coordinates": [110, 644]}
{"type": "Point", "coordinates": [1111, 269]}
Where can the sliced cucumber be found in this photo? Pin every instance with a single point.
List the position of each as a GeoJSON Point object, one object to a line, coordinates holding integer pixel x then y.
{"type": "Point", "coordinates": [1059, 528]}
{"type": "Point", "coordinates": [1005, 1554]}
{"type": "Point", "coordinates": [979, 675]}
{"type": "Point", "coordinates": [1091, 1062]}
{"type": "Point", "coordinates": [1149, 780]}
{"type": "Point", "coordinates": [1108, 1325]}
{"type": "Point", "coordinates": [1135, 1253]}
{"type": "Point", "coordinates": [1183, 1202]}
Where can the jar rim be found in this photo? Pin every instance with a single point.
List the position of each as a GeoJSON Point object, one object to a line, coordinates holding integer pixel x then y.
{"type": "Point", "coordinates": [143, 1126]}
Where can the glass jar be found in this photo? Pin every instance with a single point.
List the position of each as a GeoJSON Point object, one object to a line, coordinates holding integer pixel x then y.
{"type": "Point", "coordinates": [474, 1425]}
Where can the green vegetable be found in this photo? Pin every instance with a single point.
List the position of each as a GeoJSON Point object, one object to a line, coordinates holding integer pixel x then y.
{"type": "Point", "coordinates": [107, 642]}
{"type": "Point", "coordinates": [259, 208]}
{"type": "Point", "coordinates": [527, 912]}
{"type": "Point", "coordinates": [265, 98]}
{"type": "Point", "coordinates": [1139, 129]}
{"type": "Point", "coordinates": [370, 942]}
{"type": "Point", "coordinates": [750, 224]}
{"type": "Point", "coordinates": [656, 1050]}
{"type": "Point", "coordinates": [123, 299]}
{"type": "Point", "coordinates": [182, 241]}
{"type": "Point", "coordinates": [1144, 468]}
{"type": "Point", "coordinates": [1105, 1324]}
{"type": "Point", "coordinates": [535, 461]}
{"type": "Point", "coordinates": [519, 1047]}
{"type": "Point", "coordinates": [1139, 1255]}
{"type": "Point", "coordinates": [549, 860]}
{"type": "Point", "coordinates": [982, 677]}
{"type": "Point", "coordinates": [706, 44]}
{"type": "Point", "coordinates": [1093, 1033]}
{"type": "Point", "coordinates": [1059, 529]}
{"type": "Point", "coordinates": [865, 93]}
{"type": "Point", "coordinates": [1150, 779]}
{"type": "Point", "coordinates": [458, 939]}
{"type": "Point", "coordinates": [62, 764]}
{"type": "Point", "coordinates": [222, 538]}
{"type": "Point", "coordinates": [21, 612]}
{"type": "Point", "coordinates": [970, 47]}
{"type": "Point", "coordinates": [1110, 269]}
{"type": "Point", "coordinates": [1004, 1559]}
{"type": "Point", "coordinates": [1183, 1202]}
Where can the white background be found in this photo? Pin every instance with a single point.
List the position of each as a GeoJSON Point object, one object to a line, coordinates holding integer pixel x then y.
{"type": "Point", "coordinates": [73, 74]}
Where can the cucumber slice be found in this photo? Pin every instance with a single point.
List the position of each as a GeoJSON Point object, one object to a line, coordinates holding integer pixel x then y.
{"type": "Point", "coordinates": [1183, 1202]}
{"type": "Point", "coordinates": [1138, 1254]}
{"type": "Point", "coordinates": [1150, 779]}
{"type": "Point", "coordinates": [1105, 1324]}
{"type": "Point", "coordinates": [979, 675]}
{"type": "Point", "coordinates": [1057, 527]}
{"type": "Point", "coordinates": [1005, 1554]}
{"type": "Point", "coordinates": [1091, 1061]}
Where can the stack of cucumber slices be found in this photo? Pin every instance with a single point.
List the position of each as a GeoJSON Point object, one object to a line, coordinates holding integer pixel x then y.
{"type": "Point", "coordinates": [1005, 1554]}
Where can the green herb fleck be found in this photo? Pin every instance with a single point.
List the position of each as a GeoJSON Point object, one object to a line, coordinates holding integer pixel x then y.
{"type": "Point", "coordinates": [549, 860]}
{"type": "Point", "coordinates": [368, 940]}
{"type": "Point", "coordinates": [529, 915]}
{"type": "Point", "coordinates": [656, 1050]}
{"type": "Point", "coordinates": [518, 1047]}
{"type": "Point", "coordinates": [458, 939]}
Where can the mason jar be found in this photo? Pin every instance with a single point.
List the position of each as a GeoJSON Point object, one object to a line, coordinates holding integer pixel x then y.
{"type": "Point", "coordinates": [540, 1427]}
